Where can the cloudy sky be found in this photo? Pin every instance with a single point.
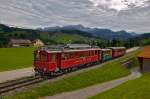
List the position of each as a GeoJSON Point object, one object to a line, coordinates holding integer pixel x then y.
{"type": "Point", "coordinates": [130, 15]}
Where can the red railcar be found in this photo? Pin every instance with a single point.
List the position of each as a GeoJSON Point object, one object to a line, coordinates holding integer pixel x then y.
{"type": "Point", "coordinates": [118, 51]}
{"type": "Point", "coordinates": [50, 60]}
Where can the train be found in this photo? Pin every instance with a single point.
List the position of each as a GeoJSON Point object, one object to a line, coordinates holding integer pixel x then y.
{"type": "Point", "coordinates": [53, 59]}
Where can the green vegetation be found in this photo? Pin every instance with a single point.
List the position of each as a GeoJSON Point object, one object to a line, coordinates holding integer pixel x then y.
{"type": "Point", "coordinates": [111, 70]}
{"type": "Point", "coordinates": [146, 41]}
{"type": "Point", "coordinates": [15, 58]}
{"type": "Point", "coordinates": [135, 89]}
{"type": "Point", "coordinates": [65, 38]}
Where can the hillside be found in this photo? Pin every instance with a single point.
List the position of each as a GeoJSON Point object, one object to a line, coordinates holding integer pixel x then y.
{"type": "Point", "coordinates": [143, 39]}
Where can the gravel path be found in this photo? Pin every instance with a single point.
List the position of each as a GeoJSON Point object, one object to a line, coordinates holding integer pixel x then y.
{"type": "Point", "coordinates": [15, 74]}
{"type": "Point", "coordinates": [93, 90]}
{"type": "Point", "coordinates": [132, 49]}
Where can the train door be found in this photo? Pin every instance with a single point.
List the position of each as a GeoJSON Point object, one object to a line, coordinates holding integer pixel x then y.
{"type": "Point", "coordinates": [100, 55]}
{"type": "Point", "coordinates": [56, 59]}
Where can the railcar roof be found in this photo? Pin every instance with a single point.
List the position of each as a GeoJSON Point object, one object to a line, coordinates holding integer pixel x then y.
{"type": "Point", "coordinates": [72, 50]}
{"type": "Point", "coordinates": [68, 48]}
{"type": "Point", "coordinates": [75, 46]}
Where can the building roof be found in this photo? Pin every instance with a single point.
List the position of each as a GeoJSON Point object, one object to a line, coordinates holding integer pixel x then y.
{"type": "Point", "coordinates": [20, 41]}
{"type": "Point", "coordinates": [145, 53]}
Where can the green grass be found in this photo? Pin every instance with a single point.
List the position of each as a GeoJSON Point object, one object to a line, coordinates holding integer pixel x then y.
{"type": "Point", "coordinates": [135, 89]}
{"type": "Point", "coordinates": [108, 72]}
{"type": "Point", "coordinates": [15, 58]}
{"type": "Point", "coordinates": [65, 38]}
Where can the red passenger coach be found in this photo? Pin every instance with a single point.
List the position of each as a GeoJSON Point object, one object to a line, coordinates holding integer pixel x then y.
{"type": "Point", "coordinates": [56, 59]}
{"type": "Point", "coordinates": [118, 51]}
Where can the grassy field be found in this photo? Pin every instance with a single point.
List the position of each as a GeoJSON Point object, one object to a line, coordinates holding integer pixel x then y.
{"type": "Point", "coordinates": [135, 89]}
{"type": "Point", "coordinates": [65, 38]}
{"type": "Point", "coordinates": [108, 72]}
{"type": "Point", "coordinates": [15, 58]}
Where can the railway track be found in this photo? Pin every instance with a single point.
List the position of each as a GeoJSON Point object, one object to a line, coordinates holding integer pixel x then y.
{"type": "Point", "coordinates": [15, 84]}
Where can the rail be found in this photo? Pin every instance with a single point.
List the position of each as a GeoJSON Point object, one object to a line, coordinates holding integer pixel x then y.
{"type": "Point", "coordinates": [12, 85]}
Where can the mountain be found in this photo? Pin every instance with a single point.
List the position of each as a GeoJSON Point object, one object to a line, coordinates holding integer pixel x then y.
{"type": "Point", "coordinates": [142, 36]}
{"type": "Point", "coordinates": [142, 39]}
{"type": "Point", "coordinates": [102, 33]}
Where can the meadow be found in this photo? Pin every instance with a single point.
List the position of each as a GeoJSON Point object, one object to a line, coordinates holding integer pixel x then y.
{"type": "Point", "coordinates": [109, 71]}
{"type": "Point", "coordinates": [15, 58]}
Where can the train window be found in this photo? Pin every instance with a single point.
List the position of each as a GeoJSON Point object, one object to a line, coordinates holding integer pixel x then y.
{"type": "Point", "coordinates": [95, 52]}
{"type": "Point", "coordinates": [53, 57]}
{"type": "Point", "coordinates": [89, 53]}
{"type": "Point", "coordinates": [77, 55]}
{"type": "Point", "coordinates": [37, 56]}
{"type": "Point", "coordinates": [86, 54]}
{"type": "Point", "coordinates": [82, 55]}
{"type": "Point", "coordinates": [71, 55]}
{"type": "Point", "coordinates": [43, 56]}
{"type": "Point", "coordinates": [67, 56]}
{"type": "Point", "coordinates": [63, 56]}
{"type": "Point", "coordinates": [92, 53]}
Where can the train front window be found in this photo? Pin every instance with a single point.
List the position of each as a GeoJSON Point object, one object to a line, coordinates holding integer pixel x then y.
{"type": "Point", "coordinates": [43, 56]}
{"type": "Point", "coordinates": [37, 56]}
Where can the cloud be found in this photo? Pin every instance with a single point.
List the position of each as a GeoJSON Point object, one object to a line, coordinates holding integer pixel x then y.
{"type": "Point", "coordinates": [93, 13]}
{"type": "Point", "coordinates": [119, 4]}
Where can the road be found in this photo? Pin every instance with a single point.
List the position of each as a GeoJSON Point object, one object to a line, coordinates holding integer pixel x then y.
{"type": "Point", "coordinates": [15, 74]}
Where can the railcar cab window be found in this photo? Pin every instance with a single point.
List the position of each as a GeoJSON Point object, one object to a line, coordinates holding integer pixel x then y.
{"type": "Point", "coordinates": [37, 55]}
{"type": "Point", "coordinates": [96, 52]}
{"type": "Point", "coordinates": [43, 56]}
{"type": "Point", "coordinates": [63, 57]}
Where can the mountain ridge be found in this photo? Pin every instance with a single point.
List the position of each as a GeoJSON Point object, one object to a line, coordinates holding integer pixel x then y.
{"type": "Point", "coordinates": [97, 32]}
